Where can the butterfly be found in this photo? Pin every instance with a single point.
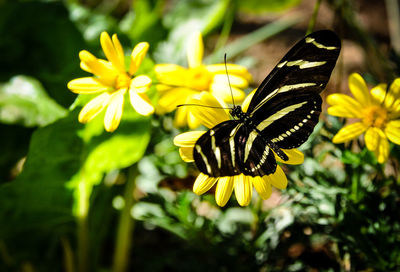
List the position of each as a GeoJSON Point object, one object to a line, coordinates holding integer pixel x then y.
{"type": "Point", "coordinates": [281, 115]}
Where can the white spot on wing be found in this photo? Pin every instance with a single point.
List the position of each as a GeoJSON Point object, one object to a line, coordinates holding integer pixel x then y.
{"type": "Point", "coordinates": [319, 45]}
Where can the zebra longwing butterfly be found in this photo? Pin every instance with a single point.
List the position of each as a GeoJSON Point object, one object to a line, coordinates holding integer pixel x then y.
{"type": "Point", "coordinates": [282, 113]}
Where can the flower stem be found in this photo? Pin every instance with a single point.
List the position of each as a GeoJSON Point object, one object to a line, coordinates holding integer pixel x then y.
{"type": "Point", "coordinates": [83, 208]}
{"type": "Point", "coordinates": [125, 225]}
{"type": "Point", "coordinates": [311, 24]}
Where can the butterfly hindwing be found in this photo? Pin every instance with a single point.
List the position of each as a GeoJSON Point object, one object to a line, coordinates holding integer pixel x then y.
{"type": "Point", "coordinates": [290, 120]}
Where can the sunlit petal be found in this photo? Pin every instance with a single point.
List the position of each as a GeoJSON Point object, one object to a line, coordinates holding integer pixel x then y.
{"type": "Point", "coordinates": [94, 107]}
{"type": "Point", "coordinates": [345, 105]}
{"type": "Point", "coordinates": [195, 50]}
{"type": "Point", "coordinates": [137, 56]}
{"type": "Point", "coordinates": [203, 183]}
{"type": "Point", "coordinates": [234, 80]}
{"type": "Point", "coordinates": [186, 154]}
{"type": "Point", "coordinates": [98, 67]}
{"type": "Point", "coordinates": [243, 189]}
{"type": "Point", "coordinates": [141, 103]}
{"type": "Point", "coordinates": [382, 151]}
{"type": "Point", "coordinates": [86, 85]}
{"type": "Point", "coordinates": [209, 117]}
{"type": "Point", "coordinates": [224, 190]}
{"type": "Point", "coordinates": [172, 98]}
{"type": "Point", "coordinates": [262, 186]}
{"type": "Point", "coordinates": [295, 157]}
{"type": "Point", "coordinates": [181, 116]}
{"type": "Point", "coordinates": [278, 179]}
{"type": "Point", "coordinates": [234, 69]}
{"type": "Point", "coordinates": [392, 131]}
{"type": "Point", "coordinates": [192, 121]}
{"type": "Point", "coordinates": [141, 83]}
{"type": "Point", "coordinates": [225, 92]}
{"type": "Point", "coordinates": [359, 89]}
{"type": "Point", "coordinates": [187, 139]}
{"type": "Point", "coordinates": [379, 93]}
{"type": "Point", "coordinates": [393, 94]}
{"type": "Point", "coordinates": [349, 132]}
{"type": "Point", "coordinates": [372, 138]}
{"type": "Point", "coordinates": [110, 51]}
{"type": "Point", "coordinates": [114, 110]}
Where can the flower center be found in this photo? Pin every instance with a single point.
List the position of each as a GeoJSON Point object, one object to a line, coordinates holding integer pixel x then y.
{"type": "Point", "coordinates": [122, 81]}
{"type": "Point", "coordinates": [375, 116]}
{"type": "Point", "coordinates": [198, 78]}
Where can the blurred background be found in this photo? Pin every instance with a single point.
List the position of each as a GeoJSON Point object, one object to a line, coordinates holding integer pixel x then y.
{"type": "Point", "coordinates": [65, 200]}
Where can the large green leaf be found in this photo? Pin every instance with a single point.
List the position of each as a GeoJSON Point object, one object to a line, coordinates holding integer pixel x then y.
{"type": "Point", "coordinates": [62, 157]}
{"type": "Point", "coordinates": [24, 101]}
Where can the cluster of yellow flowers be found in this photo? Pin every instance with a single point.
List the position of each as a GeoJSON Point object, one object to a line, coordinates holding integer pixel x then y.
{"type": "Point", "coordinates": [378, 110]}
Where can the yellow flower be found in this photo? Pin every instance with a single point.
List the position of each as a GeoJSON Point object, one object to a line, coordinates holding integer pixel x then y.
{"type": "Point", "coordinates": [178, 84]}
{"type": "Point", "coordinates": [241, 184]}
{"type": "Point", "coordinates": [111, 81]}
{"type": "Point", "coordinates": [378, 111]}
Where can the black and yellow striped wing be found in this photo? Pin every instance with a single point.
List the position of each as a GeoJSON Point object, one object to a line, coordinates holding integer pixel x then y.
{"type": "Point", "coordinates": [282, 113]}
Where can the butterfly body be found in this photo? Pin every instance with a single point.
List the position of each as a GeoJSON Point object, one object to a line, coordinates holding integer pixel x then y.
{"type": "Point", "coordinates": [281, 115]}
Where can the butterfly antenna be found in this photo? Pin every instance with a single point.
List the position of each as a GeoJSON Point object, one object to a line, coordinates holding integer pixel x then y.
{"type": "Point", "coordinates": [229, 82]}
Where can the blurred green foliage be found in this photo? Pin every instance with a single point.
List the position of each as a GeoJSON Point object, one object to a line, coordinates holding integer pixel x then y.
{"type": "Point", "coordinates": [64, 185]}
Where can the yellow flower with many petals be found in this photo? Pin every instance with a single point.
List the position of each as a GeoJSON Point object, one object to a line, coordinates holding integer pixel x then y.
{"type": "Point", "coordinates": [111, 81]}
{"type": "Point", "coordinates": [378, 111]}
{"type": "Point", "coordinates": [178, 84]}
{"type": "Point", "coordinates": [241, 184]}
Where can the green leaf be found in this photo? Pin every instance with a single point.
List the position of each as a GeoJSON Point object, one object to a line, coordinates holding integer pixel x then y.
{"type": "Point", "coordinates": [185, 18]}
{"type": "Point", "coordinates": [24, 101]}
{"type": "Point", "coordinates": [255, 6]}
{"type": "Point", "coordinates": [38, 39]}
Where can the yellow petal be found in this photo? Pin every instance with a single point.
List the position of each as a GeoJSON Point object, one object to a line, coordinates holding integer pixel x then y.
{"type": "Point", "coordinates": [111, 52]}
{"type": "Point", "coordinates": [137, 56]}
{"type": "Point", "coordinates": [86, 85]}
{"type": "Point", "coordinates": [295, 157]}
{"type": "Point", "coordinates": [119, 49]}
{"type": "Point", "coordinates": [379, 93]}
{"type": "Point", "coordinates": [224, 190]}
{"type": "Point", "coordinates": [181, 117]}
{"type": "Point", "coordinates": [203, 183]}
{"type": "Point", "coordinates": [393, 93]}
{"type": "Point", "coordinates": [174, 97]}
{"type": "Point", "coordinates": [186, 154]}
{"type": "Point", "coordinates": [344, 105]}
{"type": "Point", "coordinates": [166, 68]}
{"type": "Point", "coordinates": [278, 179]}
{"type": "Point", "coordinates": [188, 139]}
{"type": "Point", "coordinates": [141, 83]}
{"type": "Point", "coordinates": [209, 117]}
{"type": "Point", "coordinates": [114, 110]}
{"type": "Point", "coordinates": [382, 151]}
{"type": "Point", "coordinates": [235, 80]}
{"type": "Point", "coordinates": [225, 92]}
{"type": "Point", "coordinates": [372, 138]}
{"type": "Point", "coordinates": [247, 100]}
{"type": "Point", "coordinates": [349, 132]}
{"type": "Point", "coordinates": [94, 107]}
{"type": "Point", "coordinates": [359, 89]}
{"type": "Point", "coordinates": [192, 121]}
{"type": "Point", "coordinates": [98, 67]}
{"type": "Point", "coordinates": [233, 69]}
{"type": "Point", "coordinates": [392, 132]}
{"type": "Point", "coordinates": [141, 103]}
{"type": "Point", "coordinates": [195, 50]}
{"type": "Point", "coordinates": [243, 189]}
{"type": "Point", "coordinates": [262, 186]}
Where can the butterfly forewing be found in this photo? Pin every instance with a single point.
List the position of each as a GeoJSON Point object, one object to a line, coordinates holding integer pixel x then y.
{"type": "Point", "coordinates": [307, 66]}
{"type": "Point", "coordinates": [282, 113]}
